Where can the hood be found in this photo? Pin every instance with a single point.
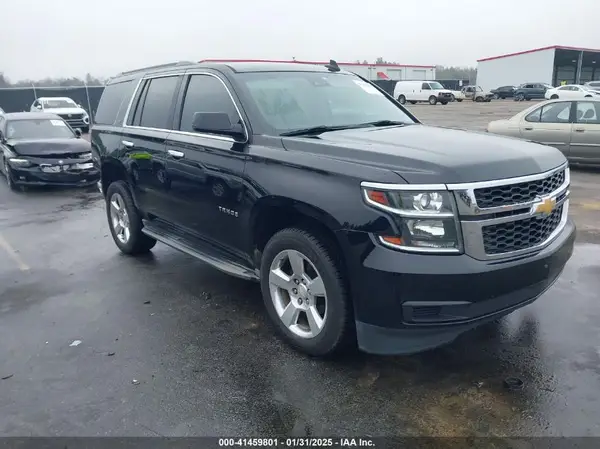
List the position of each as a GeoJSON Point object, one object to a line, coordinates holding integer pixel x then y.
{"type": "Point", "coordinates": [49, 147]}
{"type": "Point", "coordinates": [66, 111]}
{"type": "Point", "coordinates": [425, 154]}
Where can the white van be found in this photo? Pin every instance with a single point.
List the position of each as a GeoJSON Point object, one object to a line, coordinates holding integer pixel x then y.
{"type": "Point", "coordinates": [413, 91]}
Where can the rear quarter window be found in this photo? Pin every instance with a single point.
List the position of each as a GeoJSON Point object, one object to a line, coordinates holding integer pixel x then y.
{"type": "Point", "coordinates": [113, 103]}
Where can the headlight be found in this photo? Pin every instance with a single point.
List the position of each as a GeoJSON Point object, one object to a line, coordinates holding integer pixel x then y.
{"type": "Point", "coordinates": [426, 219]}
{"type": "Point", "coordinates": [18, 162]}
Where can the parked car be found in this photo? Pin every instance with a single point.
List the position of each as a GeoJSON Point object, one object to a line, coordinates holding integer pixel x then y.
{"type": "Point", "coordinates": [503, 92]}
{"type": "Point", "coordinates": [569, 92]}
{"type": "Point", "coordinates": [571, 126]}
{"type": "Point", "coordinates": [593, 85]}
{"type": "Point", "coordinates": [414, 91]}
{"type": "Point", "coordinates": [361, 224]}
{"type": "Point", "coordinates": [477, 94]}
{"type": "Point", "coordinates": [66, 108]}
{"type": "Point", "coordinates": [530, 91]}
{"type": "Point", "coordinates": [41, 149]}
{"type": "Point", "coordinates": [457, 95]}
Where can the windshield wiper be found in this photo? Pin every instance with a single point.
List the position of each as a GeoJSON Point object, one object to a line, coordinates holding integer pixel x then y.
{"type": "Point", "coordinates": [384, 123]}
{"type": "Point", "coordinates": [316, 130]}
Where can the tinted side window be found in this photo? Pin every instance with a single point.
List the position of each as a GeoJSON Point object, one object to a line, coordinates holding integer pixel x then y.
{"type": "Point", "coordinates": [425, 86]}
{"type": "Point", "coordinates": [113, 103]}
{"type": "Point", "coordinates": [551, 113]}
{"type": "Point", "coordinates": [157, 106]}
{"type": "Point", "coordinates": [588, 112]}
{"type": "Point", "coordinates": [205, 93]}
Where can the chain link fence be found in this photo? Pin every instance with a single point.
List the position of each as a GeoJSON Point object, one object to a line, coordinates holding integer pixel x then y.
{"type": "Point", "coordinates": [20, 99]}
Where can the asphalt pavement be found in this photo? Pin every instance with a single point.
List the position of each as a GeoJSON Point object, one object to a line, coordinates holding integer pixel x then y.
{"type": "Point", "coordinates": [94, 343]}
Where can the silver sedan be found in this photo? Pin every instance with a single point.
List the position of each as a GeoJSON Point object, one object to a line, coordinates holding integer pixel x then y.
{"type": "Point", "coordinates": [571, 126]}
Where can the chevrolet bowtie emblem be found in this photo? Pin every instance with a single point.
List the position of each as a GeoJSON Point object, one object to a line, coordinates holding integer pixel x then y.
{"type": "Point", "coordinates": [545, 207]}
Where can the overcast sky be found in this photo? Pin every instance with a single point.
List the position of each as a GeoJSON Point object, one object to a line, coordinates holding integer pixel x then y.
{"type": "Point", "coordinates": [40, 38]}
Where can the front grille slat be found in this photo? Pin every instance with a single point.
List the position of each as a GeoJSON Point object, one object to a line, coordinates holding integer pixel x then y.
{"type": "Point", "coordinates": [521, 234]}
{"type": "Point", "coordinates": [518, 193]}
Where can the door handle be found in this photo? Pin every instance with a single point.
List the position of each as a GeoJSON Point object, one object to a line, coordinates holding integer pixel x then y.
{"type": "Point", "coordinates": [528, 129]}
{"type": "Point", "coordinates": [176, 154]}
{"type": "Point", "coordinates": [127, 143]}
{"type": "Point", "coordinates": [579, 130]}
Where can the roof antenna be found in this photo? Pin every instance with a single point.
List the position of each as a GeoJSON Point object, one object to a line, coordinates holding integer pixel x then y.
{"type": "Point", "coordinates": [333, 66]}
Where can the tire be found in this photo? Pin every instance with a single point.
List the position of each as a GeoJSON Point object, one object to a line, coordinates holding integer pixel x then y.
{"type": "Point", "coordinates": [554, 97]}
{"type": "Point", "coordinates": [9, 179]}
{"type": "Point", "coordinates": [459, 100]}
{"type": "Point", "coordinates": [432, 100]}
{"type": "Point", "coordinates": [444, 102]}
{"type": "Point", "coordinates": [502, 98]}
{"type": "Point", "coordinates": [527, 99]}
{"type": "Point", "coordinates": [519, 97]}
{"type": "Point", "coordinates": [478, 99]}
{"type": "Point", "coordinates": [452, 97]}
{"type": "Point", "coordinates": [588, 96]}
{"type": "Point", "coordinates": [137, 242]}
{"type": "Point", "coordinates": [337, 329]}
{"type": "Point", "coordinates": [413, 102]}
{"type": "Point", "coordinates": [402, 99]}
{"type": "Point", "coordinates": [496, 96]}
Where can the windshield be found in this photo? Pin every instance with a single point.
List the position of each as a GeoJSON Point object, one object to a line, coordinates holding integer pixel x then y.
{"type": "Point", "coordinates": [59, 103]}
{"type": "Point", "coordinates": [594, 84]}
{"type": "Point", "coordinates": [290, 101]}
{"type": "Point", "coordinates": [38, 129]}
{"type": "Point", "coordinates": [436, 86]}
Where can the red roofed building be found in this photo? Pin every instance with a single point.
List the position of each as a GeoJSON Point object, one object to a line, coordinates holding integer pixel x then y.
{"type": "Point", "coordinates": [554, 65]}
{"type": "Point", "coordinates": [369, 71]}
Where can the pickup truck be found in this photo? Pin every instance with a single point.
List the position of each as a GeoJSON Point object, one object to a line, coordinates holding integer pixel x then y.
{"type": "Point", "coordinates": [364, 227]}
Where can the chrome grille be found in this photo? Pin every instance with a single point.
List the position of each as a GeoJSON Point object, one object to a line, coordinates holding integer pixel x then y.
{"type": "Point", "coordinates": [518, 193]}
{"type": "Point", "coordinates": [521, 234]}
{"type": "Point", "coordinates": [511, 217]}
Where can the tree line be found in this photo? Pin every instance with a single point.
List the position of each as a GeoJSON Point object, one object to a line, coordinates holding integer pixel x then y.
{"type": "Point", "coordinates": [442, 72]}
{"type": "Point", "coordinates": [52, 82]}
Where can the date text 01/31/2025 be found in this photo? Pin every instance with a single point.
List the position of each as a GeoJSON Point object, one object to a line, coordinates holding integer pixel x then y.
{"type": "Point", "coordinates": [296, 442]}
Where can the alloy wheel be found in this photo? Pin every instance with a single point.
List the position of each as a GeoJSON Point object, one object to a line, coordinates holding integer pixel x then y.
{"type": "Point", "coordinates": [298, 294]}
{"type": "Point", "coordinates": [119, 218]}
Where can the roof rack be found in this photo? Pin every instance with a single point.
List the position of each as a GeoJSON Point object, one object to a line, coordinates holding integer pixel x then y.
{"type": "Point", "coordinates": [159, 66]}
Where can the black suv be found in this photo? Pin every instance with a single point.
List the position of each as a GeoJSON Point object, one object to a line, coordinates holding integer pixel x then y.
{"type": "Point", "coordinates": [362, 225]}
{"type": "Point", "coordinates": [529, 91]}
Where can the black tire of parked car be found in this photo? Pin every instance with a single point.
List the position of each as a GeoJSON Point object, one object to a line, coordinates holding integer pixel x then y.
{"type": "Point", "coordinates": [496, 96]}
{"type": "Point", "coordinates": [402, 99]}
{"type": "Point", "coordinates": [459, 100]}
{"type": "Point", "coordinates": [479, 99]}
{"type": "Point", "coordinates": [338, 333]}
{"type": "Point", "coordinates": [554, 97]}
{"type": "Point", "coordinates": [413, 102]}
{"type": "Point", "coordinates": [9, 179]}
{"type": "Point", "coordinates": [588, 96]}
{"type": "Point", "coordinates": [452, 97]}
{"type": "Point", "coordinates": [432, 100]}
{"type": "Point", "coordinates": [138, 243]}
{"type": "Point", "coordinates": [519, 97]}
{"type": "Point", "coordinates": [444, 102]}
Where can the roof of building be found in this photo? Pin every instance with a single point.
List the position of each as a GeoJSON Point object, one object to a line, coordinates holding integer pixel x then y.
{"type": "Point", "coordinates": [30, 116]}
{"type": "Point", "coordinates": [317, 63]}
{"type": "Point", "coordinates": [551, 47]}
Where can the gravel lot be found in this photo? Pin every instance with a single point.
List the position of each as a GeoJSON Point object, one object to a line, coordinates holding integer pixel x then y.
{"type": "Point", "coordinates": [205, 362]}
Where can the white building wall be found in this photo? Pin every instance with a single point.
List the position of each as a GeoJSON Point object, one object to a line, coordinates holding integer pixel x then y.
{"type": "Point", "coordinates": [534, 67]}
{"type": "Point", "coordinates": [393, 72]}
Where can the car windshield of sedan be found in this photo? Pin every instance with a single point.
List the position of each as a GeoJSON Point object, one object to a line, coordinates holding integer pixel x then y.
{"type": "Point", "coordinates": [59, 103]}
{"type": "Point", "coordinates": [289, 101]}
{"type": "Point", "coordinates": [38, 129]}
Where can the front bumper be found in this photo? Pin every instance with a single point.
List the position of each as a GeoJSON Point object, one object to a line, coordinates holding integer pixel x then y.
{"type": "Point", "coordinates": [444, 97]}
{"type": "Point", "coordinates": [33, 176]}
{"type": "Point", "coordinates": [407, 303]}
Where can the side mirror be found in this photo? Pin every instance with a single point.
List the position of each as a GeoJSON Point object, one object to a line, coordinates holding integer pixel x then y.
{"type": "Point", "coordinates": [78, 132]}
{"type": "Point", "coordinates": [217, 123]}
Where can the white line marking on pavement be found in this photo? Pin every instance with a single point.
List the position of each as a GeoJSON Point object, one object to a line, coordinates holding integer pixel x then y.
{"type": "Point", "coordinates": [13, 254]}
